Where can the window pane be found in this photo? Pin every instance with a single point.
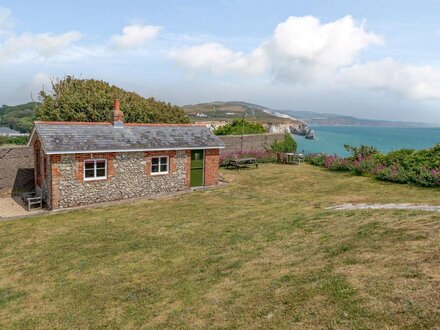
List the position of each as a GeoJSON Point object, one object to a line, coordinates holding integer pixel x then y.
{"type": "Point", "coordinates": [163, 160]}
{"type": "Point", "coordinates": [155, 161]}
{"type": "Point", "coordinates": [100, 164]}
{"type": "Point", "coordinates": [89, 173]}
{"type": "Point", "coordinates": [89, 164]}
{"type": "Point", "coordinates": [100, 172]}
{"type": "Point", "coordinates": [163, 168]}
{"type": "Point", "coordinates": [155, 168]}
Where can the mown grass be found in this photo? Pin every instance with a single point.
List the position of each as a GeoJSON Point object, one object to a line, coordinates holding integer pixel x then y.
{"type": "Point", "coordinates": [261, 252]}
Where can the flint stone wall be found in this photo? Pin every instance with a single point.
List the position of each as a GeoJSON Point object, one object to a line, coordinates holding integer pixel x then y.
{"type": "Point", "coordinates": [130, 180]}
{"type": "Point", "coordinates": [16, 170]}
{"type": "Point", "coordinates": [257, 142]}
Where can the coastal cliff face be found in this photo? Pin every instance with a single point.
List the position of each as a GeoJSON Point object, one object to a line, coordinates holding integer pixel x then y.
{"type": "Point", "coordinates": [292, 126]}
{"type": "Point", "coordinates": [217, 114]}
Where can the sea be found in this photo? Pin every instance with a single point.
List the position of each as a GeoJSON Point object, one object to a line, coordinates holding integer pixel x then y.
{"type": "Point", "coordinates": [331, 139]}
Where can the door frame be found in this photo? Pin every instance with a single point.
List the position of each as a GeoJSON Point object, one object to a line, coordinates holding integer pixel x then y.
{"type": "Point", "coordinates": [203, 171]}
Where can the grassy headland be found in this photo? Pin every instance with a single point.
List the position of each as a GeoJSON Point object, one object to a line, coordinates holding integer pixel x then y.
{"type": "Point", "coordinates": [262, 252]}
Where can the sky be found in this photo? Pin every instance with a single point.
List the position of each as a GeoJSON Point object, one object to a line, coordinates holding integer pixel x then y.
{"type": "Point", "coordinates": [372, 59]}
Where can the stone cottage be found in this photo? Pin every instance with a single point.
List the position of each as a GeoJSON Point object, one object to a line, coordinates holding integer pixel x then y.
{"type": "Point", "coordinates": [79, 163]}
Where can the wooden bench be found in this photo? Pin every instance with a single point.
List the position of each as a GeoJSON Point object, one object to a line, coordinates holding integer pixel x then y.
{"type": "Point", "coordinates": [239, 163]}
{"type": "Point", "coordinates": [31, 199]}
{"type": "Point", "coordinates": [290, 158]}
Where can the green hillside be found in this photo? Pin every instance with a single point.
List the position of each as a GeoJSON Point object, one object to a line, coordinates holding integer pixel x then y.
{"type": "Point", "coordinates": [18, 117]}
{"type": "Point", "coordinates": [214, 111]}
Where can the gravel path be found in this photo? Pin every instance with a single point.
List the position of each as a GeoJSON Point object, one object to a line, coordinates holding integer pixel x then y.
{"type": "Point", "coordinates": [11, 207]}
{"type": "Point", "coordinates": [390, 206]}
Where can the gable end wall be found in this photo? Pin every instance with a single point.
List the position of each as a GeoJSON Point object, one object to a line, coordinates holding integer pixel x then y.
{"type": "Point", "coordinates": [212, 160]}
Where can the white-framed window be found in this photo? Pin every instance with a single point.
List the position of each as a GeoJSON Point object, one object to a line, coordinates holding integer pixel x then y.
{"type": "Point", "coordinates": [95, 169]}
{"type": "Point", "coordinates": [159, 165]}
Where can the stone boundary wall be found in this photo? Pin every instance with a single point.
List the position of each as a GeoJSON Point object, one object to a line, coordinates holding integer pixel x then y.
{"type": "Point", "coordinates": [16, 170]}
{"type": "Point", "coordinates": [258, 142]}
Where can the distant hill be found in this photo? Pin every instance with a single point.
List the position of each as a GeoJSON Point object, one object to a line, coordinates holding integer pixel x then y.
{"type": "Point", "coordinates": [219, 111]}
{"type": "Point", "coordinates": [233, 109]}
{"type": "Point", "coordinates": [19, 117]}
{"type": "Point", "coordinates": [330, 119]}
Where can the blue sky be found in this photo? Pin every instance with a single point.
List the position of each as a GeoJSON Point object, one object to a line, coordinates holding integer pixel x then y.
{"type": "Point", "coordinates": [375, 59]}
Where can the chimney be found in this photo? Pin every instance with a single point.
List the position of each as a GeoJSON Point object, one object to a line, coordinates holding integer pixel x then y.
{"type": "Point", "coordinates": [117, 115]}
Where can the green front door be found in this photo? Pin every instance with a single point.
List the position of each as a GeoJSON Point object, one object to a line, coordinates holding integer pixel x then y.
{"type": "Point", "coordinates": [196, 179]}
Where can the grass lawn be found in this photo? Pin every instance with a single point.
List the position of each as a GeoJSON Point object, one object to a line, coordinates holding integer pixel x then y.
{"type": "Point", "coordinates": [261, 252]}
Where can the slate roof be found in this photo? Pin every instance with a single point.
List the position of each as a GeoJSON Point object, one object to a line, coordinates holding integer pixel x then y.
{"type": "Point", "coordinates": [8, 131]}
{"type": "Point", "coordinates": [104, 137]}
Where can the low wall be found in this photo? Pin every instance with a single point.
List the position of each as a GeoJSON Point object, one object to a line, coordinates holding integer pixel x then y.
{"type": "Point", "coordinates": [16, 170]}
{"type": "Point", "coordinates": [257, 142]}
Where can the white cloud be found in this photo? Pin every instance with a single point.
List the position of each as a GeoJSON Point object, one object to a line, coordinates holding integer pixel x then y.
{"type": "Point", "coordinates": [298, 48]}
{"type": "Point", "coordinates": [7, 23]}
{"type": "Point", "coordinates": [303, 47]}
{"type": "Point", "coordinates": [134, 36]}
{"type": "Point", "coordinates": [414, 82]}
{"type": "Point", "coordinates": [28, 46]}
{"type": "Point", "coordinates": [217, 59]}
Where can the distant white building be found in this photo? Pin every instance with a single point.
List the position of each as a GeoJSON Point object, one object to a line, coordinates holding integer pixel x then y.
{"type": "Point", "coordinates": [6, 131]}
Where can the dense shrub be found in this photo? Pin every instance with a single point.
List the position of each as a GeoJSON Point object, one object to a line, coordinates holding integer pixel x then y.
{"type": "Point", "coordinates": [316, 159]}
{"type": "Point", "coordinates": [287, 145]}
{"type": "Point", "coordinates": [364, 166]}
{"type": "Point", "coordinates": [394, 173]}
{"type": "Point", "coordinates": [335, 163]}
{"type": "Point", "coordinates": [427, 178]}
{"type": "Point", "coordinates": [240, 126]}
{"type": "Point", "coordinates": [361, 152]}
{"type": "Point", "coordinates": [403, 157]}
{"type": "Point", "coordinates": [420, 167]}
{"type": "Point", "coordinates": [90, 100]}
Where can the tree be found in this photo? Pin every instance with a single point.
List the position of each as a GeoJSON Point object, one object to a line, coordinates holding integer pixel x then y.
{"type": "Point", "coordinates": [287, 145]}
{"type": "Point", "coordinates": [90, 100]}
{"type": "Point", "coordinates": [240, 126]}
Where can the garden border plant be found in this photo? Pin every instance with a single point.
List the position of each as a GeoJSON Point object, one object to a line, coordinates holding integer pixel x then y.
{"type": "Point", "coordinates": [406, 166]}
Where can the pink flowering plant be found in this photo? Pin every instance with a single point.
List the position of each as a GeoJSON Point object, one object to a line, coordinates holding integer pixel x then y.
{"type": "Point", "coordinates": [419, 167]}
{"type": "Point", "coordinates": [316, 159]}
{"type": "Point", "coordinates": [335, 163]}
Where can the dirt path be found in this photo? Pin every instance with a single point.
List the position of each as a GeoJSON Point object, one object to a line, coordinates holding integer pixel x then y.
{"type": "Point", "coordinates": [390, 206]}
